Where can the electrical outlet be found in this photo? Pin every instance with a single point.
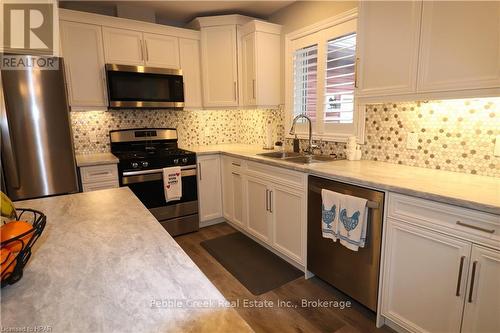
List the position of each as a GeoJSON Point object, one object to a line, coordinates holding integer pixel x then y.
{"type": "Point", "coordinates": [412, 140]}
{"type": "Point", "coordinates": [206, 131]}
{"type": "Point", "coordinates": [497, 146]}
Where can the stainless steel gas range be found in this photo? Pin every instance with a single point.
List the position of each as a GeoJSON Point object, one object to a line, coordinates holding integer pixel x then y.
{"type": "Point", "coordinates": [142, 154]}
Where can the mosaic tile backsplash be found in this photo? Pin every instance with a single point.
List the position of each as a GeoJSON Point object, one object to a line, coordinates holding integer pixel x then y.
{"type": "Point", "coordinates": [454, 135]}
{"type": "Point", "coordinates": [194, 127]}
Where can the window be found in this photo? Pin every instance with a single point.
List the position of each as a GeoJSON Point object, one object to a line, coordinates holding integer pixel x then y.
{"type": "Point", "coordinates": [339, 80]}
{"type": "Point", "coordinates": [321, 79]}
{"type": "Point", "coordinates": [305, 77]}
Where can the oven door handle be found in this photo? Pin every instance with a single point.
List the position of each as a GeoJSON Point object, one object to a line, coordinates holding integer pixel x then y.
{"type": "Point", "coordinates": [134, 177]}
{"type": "Point", "coordinates": [147, 172]}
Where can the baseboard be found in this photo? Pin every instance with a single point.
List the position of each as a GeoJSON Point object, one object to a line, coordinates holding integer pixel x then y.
{"type": "Point", "coordinates": [218, 220]}
{"type": "Point", "coordinates": [395, 326]}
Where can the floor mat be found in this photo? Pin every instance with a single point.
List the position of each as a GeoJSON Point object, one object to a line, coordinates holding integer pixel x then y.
{"type": "Point", "coordinates": [257, 268]}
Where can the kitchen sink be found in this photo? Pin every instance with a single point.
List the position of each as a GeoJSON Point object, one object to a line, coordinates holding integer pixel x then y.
{"type": "Point", "coordinates": [281, 155]}
{"type": "Point", "coordinates": [299, 158]}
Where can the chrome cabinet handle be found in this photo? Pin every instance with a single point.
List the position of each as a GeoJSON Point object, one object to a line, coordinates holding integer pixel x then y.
{"type": "Point", "coordinates": [490, 231]}
{"type": "Point", "coordinates": [460, 269]}
{"type": "Point", "coordinates": [235, 99]}
{"type": "Point", "coordinates": [267, 199]}
{"type": "Point", "coordinates": [100, 173]}
{"type": "Point", "coordinates": [471, 290]}
{"type": "Point", "coordinates": [199, 167]}
{"type": "Point", "coordinates": [146, 48]}
{"type": "Point", "coordinates": [270, 201]}
{"type": "Point", "coordinates": [235, 164]}
{"type": "Point", "coordinates": [253, 88]}
{"type": "Point", "coordinates": [236, 174]}
{"type": "Point", "coordinates": [142, 51]}
{"type": "Point", "coordinates": [104, 86]}
{"type": "Point", "coordinates": [356, 72]}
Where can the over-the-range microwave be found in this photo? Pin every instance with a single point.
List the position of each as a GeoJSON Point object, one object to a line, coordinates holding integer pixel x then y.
{"type": "Point", "coordinates": [131, 87]}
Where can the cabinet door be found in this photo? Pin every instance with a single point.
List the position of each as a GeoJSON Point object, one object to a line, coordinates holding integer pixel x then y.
{"type": "Point", "coordinates": [288, 208]}
{"type": "Point", "coordinates": [84, 62]}
{"type": "Point", "coordinates": [237, 190]}
{"type": "Point", "coordinates": [209, 187]}
{"type": "Point", "coordinates": [388, 37]}
{"type": "Point", "coordinates": [267, 69]}
{"type": "Point", "coordinates": [422, 278]}
{"type": "Point", "coordinates": [161, 51]}
{"type": "Point", "coordinates": [123, 46]}
{"type": "Point", "coordinates": [483, 294]}
{"type": "Point", "coordinates": [227, 189]}
{"type": "Point", "coordinates": [460, 45]}
{"type": "Point", "coordinates": [258, 209]}
{"type": "Point", "coordinates": [191, 72]}
{"type": "Point", "coordinates": [248, 79]}
{"type": "Point", "coordinates": [219, 65]}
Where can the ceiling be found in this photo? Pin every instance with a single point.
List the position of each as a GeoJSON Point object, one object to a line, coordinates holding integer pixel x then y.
{"type": "Point", "coordinates": [183, 12]}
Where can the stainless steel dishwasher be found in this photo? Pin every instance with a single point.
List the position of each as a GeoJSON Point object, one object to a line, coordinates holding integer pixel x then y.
{"type": "Point", "coordinates": [354, 273]}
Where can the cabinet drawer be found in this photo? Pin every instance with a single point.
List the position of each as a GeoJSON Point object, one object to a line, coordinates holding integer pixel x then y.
{"type": "Point", "coordinates": [100, 186]}
{"type": "Point", "coordinates": [278, 175]}
{"type": "Point", "coordinates": [99, 173]}
{"type": "Point", "coordinates": [462, 222]}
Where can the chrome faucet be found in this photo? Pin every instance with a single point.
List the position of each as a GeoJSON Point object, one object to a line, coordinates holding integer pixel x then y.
{"type": "Point", "coordinates": [311, 147]}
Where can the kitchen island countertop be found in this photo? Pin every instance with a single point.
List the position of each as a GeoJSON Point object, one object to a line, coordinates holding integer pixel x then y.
{"type": "Point", "coordinates": [104, 264]}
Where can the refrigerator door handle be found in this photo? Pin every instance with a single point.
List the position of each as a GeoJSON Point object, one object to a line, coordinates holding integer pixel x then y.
{"type": "Point", "coordinates": [8, 155]}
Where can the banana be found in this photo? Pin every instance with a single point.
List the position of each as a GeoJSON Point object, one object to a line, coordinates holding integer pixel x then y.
{"type": "Point", "coordinates": [7, 207]}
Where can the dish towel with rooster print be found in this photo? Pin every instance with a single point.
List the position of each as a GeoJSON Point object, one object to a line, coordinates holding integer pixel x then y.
{"type": "Point", "coordinates": [172, 183]}
{"type": "Point", "coordinates": [352, 222]}
{"type": "Point", "coordinates": [330, 203]}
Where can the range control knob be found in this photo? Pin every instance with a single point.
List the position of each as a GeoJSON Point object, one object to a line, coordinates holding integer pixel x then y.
{"type": "Point", "coordinates": [184, 160]}
{"type": "Point", "coordinates": [145, 164]}
{"type": "Point", "coordinates": [135, 165]}
{"type": "Point", "coordinates": [176, 161]}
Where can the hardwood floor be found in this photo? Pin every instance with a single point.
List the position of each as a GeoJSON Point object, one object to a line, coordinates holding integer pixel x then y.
{"type": "Point", "coordinates": [280, 319]}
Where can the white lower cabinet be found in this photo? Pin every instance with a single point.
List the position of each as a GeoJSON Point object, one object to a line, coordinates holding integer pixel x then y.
{"type": "Point", "coordinates": [268, 203]}
{"type": "Point", "coordinates": [482, 305]}
{"type": "Point", "coordinates": [436, 278]}
{"type": "Point", "coordinates": [259, 211]}
{"type": "Point", "coordinates": [209, 187]}
{"type": "Point", "coordinates": [99, 177]}
{"type": "Point", "coordinates": [421, 279]}
{"type": "Point", "coordinates": [288, 212]}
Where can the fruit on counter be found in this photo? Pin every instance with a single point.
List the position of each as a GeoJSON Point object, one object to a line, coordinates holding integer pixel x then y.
{"type": "Point", "coordinates": [8, 262]}
{"type": "Point", "coordinates": [7, 208]}
{"type": "Point", "coordinates": [14, 229]}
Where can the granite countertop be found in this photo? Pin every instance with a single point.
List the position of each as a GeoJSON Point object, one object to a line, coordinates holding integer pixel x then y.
{"type": "Point", "coordinates": [99, 265]}
{"type": "Point", "coordinates": [95, 159]}
{"type": "Point", "coordinates": [470, 191]}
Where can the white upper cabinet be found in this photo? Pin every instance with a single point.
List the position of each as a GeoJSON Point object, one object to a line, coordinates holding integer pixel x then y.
{"type": "Point", "coordinates": [122, 46]}
{"type": "Point", "coordinates": [261, 65]}
{"type": "Point", "coordinates": [483, 292]}
{"type": "Point", "coordinates": [387, 47]}
{"type": "Point", "coordinates": [128, 47]}
{"type": "Point", "coordinates": [248, 69]}
{"type": "Point", "coordinates": [219, 66]}
{"type": "Point", "coordinates": [189, 50]}
{"type": "Point", "coordinates": [84, 63]}
{"type": "Point", "coordinates": [161, 51]}
{"type": "Point", "coordinates": [460, 45]}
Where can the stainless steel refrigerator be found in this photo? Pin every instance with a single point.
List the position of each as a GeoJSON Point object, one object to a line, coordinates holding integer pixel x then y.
{"type": "Point", "coordinates": [37, 147]}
